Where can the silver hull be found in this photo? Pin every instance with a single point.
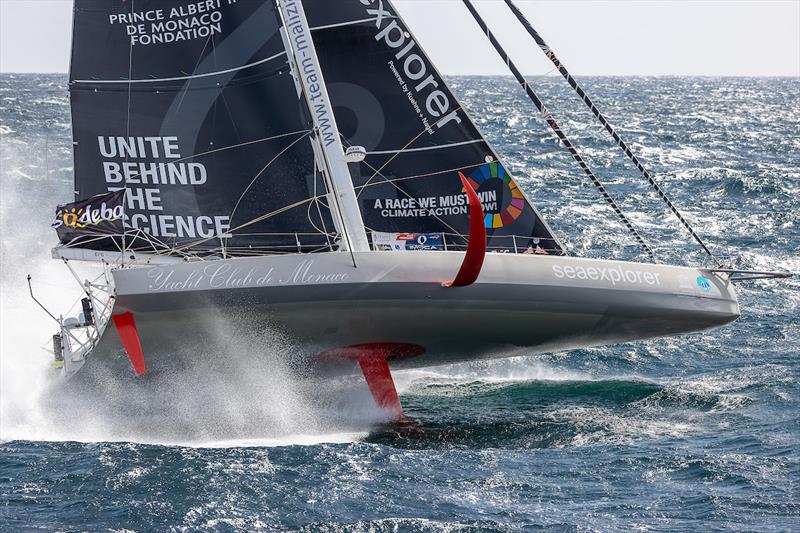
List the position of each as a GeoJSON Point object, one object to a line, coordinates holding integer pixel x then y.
{"type": "Point", "coordinates": [521, 304]}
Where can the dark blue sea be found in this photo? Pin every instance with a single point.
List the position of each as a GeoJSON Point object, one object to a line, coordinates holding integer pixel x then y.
{"type": "Point", "coordinates": [692, 433]}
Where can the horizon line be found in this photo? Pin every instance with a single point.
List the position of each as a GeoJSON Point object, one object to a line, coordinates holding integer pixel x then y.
{"type": "Point", "coordinates": [535, 76]}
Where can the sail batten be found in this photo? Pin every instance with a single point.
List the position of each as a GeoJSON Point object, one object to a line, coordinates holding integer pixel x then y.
{"type": "Point", "coordinates": [182, 78]}
{"type": "Point", "coordinates": [424, 148]}
{"type": "Point", "coordinates": [346, 23]}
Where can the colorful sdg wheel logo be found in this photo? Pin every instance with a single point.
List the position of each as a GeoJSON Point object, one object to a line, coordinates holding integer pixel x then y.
{"type": "Point", "coordinates": [495, 171]}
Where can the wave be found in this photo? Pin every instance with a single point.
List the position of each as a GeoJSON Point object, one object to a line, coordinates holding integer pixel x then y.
{"type": "Point", "coordinates": [560, 413]}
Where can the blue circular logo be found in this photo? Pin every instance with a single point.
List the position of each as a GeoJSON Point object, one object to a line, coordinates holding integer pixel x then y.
{"type": "Point", "coordinates": [703, 283]}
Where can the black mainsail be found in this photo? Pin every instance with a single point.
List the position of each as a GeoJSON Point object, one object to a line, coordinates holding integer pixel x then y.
{"type": "Point", "coordinates": [191, 108]}
{"type": "Point", "coordinates": [389, 98]}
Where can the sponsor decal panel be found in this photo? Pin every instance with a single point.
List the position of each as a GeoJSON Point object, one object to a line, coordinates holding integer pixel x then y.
{"type": "Point", "coordinates": [502, 201]}
{"type": "Point", "coordinates": [154, 168]}
{"type": "Point", "coordinates": [494, 175]}
{"type": "Point", "coordinates": [144, 166]}
{"type": "Point", "coordinates": [194, 20]}
{"type": "Point", "coordinates": [407, 241]}
{"type": "Point", "coordinates": [309, 71]}
{"type": "Point", "coordinates": [437, 206]}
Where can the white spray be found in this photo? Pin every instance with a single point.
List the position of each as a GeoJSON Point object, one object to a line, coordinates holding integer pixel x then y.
{"type": "Point", "coordinates": [247, 395]}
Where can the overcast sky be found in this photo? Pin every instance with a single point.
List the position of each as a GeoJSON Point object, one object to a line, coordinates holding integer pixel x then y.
{"type": "Point", "coordinates": [623, 37]}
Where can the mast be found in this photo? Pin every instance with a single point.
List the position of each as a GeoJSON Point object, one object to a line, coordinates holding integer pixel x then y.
{"type": "Point", "coordinates": [548, 117]}
{"type": "Point", "coordinates": [309, 75]}
{"type": "Point", "coordinates": [596, 112]}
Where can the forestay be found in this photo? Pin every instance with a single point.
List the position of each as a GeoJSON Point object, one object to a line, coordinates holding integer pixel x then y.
{"type": "Point", "coordinates": [390, 99]}
{"type": "Point", "coordinates": [191, 107]}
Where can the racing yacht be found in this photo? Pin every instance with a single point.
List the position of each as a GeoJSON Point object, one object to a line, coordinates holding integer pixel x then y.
{"type": "Point", "coordinates": [303, 166]}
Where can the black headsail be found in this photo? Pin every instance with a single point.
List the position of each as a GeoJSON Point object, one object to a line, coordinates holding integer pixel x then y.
{"type": "Point", "coordinates": [190, 106]}
{"type": "Point", "coordinates": [390, 99]}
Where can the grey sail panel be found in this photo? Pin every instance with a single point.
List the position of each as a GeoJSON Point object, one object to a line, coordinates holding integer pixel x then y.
{"type": "Point", "coordinates": [195, 113]}
{"type": "Point", "coordinates": [389, 98]}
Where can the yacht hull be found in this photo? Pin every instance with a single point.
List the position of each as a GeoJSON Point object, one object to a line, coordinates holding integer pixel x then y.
{"type": "Point", "coordinates": [311, 304]}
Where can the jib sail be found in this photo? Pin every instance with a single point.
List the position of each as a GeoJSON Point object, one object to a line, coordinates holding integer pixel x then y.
{"type": "Point", "coordinates": [390, 99]}
{"type": "Point", "coordinates": [190, 107]}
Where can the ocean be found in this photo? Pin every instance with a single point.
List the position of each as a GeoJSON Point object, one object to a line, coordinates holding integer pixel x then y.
{"type": "Point", "coordinates": [689, 433]}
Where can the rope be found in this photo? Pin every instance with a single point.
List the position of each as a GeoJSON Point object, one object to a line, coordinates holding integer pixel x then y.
{"type": "Point", "coordinates": [548, 117]}
{"type": "Point", "coordinates": [316, 204]}
{"type": "Point", "coordinates": [260, 172]}
{"type": "Point", "coordinates": [246, 224]}
{"type": "Point", "coordinates": [617, 139]}
{"type": "Point", "coordinates": [128, 121]}
{"type": "Point", "coordinates": [398, 152]}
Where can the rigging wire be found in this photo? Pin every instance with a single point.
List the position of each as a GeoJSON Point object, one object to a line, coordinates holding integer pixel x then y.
{"type": "Point", "coordinates": [398, 152]}
{"type": "Point", "coordinates": [316, 204]}
{"type": "Point", "coordinates": [550, 120]}
{"type": "Point", "coordinates": [329, 173]}
{"type": "Point", "coordinates": [128, 125]}
{"type": "Point", "coordinates": [618, 140]}
{"type": "Point", "coordinates": [377, 172]}
{"type": "Point", "coordinates": [256, 220]}
{"type": "Point", "coordinates": [319, 199]}
{"type": "Point", "coordinates": [260, 172]}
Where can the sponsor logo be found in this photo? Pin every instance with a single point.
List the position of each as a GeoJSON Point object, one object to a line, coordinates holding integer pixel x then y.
{"type": "Point", "coordinates": [613, 275]}
{"type": "Point", "coordinates": [84, 217]}
{"type": "Point", "coordinates": [309, 71]}
{"type": "Point", "coordinates": [494, 175]}
{"type": "Point", "coordinates": [407, 241]}
{"type": "Point", "coordinates": [411, 69]}
{"type": "Point", "coordinates": [196, 20]}
{"type": "Point", "coordinates": [703, 283]}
